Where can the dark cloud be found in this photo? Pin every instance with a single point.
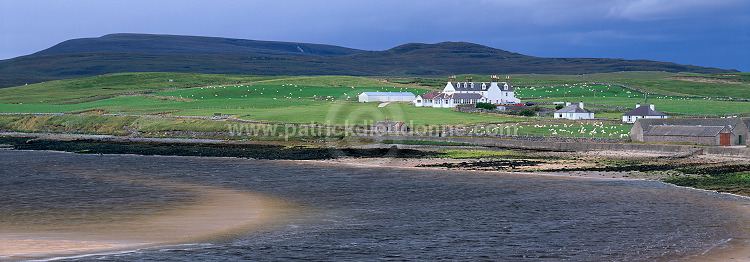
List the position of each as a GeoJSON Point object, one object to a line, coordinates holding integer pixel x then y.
{"type": "Point", "coordinates": [686, 31]}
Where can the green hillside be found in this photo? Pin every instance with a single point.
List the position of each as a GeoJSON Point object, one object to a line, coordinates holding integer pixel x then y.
{"type": "Point", "coordinates": [188, 54]}
{"type": "Point", "coordinates": [109, 102]}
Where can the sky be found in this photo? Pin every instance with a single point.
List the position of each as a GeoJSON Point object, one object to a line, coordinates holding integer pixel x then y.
{"type": "Point", "coordinates": [712, 33]}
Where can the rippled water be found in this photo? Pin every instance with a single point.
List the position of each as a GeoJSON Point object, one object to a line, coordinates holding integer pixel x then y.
{"type": "Point", "coordinates": [355, 214]}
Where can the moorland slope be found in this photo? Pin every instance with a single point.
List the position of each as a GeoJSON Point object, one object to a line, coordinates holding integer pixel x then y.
{"type": "Point", "coordinates": [191, 54]}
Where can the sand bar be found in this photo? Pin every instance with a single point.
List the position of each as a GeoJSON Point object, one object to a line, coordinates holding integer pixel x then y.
{"type": "Point", "coordinates": [218, 212]}
{"type": "Point", "coordinates": [9, 247]}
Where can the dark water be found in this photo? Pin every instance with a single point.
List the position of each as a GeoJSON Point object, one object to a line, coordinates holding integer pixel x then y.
{"type": "Point", "coordinates": [365, 214]}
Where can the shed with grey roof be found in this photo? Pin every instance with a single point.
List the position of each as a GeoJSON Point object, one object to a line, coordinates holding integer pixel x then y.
{"type": "Point", "coordinates": [386, 97]}
{"type": "Point", "coordinates": [701, 131]}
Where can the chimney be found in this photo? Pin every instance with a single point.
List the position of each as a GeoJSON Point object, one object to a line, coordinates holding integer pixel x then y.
{"type": "Point", "coordinates": [652, 107]}
{"type": "Point", "coordinates": [637, 105]}
{"type": "Point", "coordinates": [580, 105]}
{"type": "Point", "coordinates": [468, 79]}
{"type": "Point", "coordinates": [494, 79]}
{"type": "Point", "coordinates": [452, 79]}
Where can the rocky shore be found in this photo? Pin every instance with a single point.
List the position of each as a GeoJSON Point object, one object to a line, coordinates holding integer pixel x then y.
{"type": "Point", "coordinates": [711, 172]}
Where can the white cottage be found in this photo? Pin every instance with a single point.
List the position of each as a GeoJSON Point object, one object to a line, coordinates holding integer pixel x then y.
{"type": "Point", "coordinates": [574, 112]}
{"type": "Point", "coordinates": [386, 97]}
{"type": "Point", "coordinates": [642, 112]}
{"type": "Point", "coordinates": [469, 92]}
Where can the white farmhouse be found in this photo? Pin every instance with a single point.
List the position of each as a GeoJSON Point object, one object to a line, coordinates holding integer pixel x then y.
{"type": "Point", "coordinates": [574, 112]}
{"type": "Point", "coordinates": [426, 99]}
{"type": "Point", "coordinates": [469, 92]}
{"type": "Point", "coordinates": [642, 112]}
{"type": "Point", "coordinates": [386, 97]}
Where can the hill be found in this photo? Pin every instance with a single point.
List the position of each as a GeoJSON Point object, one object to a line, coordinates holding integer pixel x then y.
{"type": "Point", "coordinates": [190, 54]}
{"type": "Point", "coordinates": [173, 44]}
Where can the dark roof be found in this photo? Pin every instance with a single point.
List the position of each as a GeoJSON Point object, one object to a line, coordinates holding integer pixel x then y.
{"type": "Point", "coordinates": [470, 86]}
{"type": "Point", "coordinates": [644, 111]}
{"type": "Point", "coordinates": [477, 86]}
{"type": "Point", "coordinates": [459, 96]}
{"type": "Point", "coordinates": [430, 95]}
{"type": "Point", "coordinates": [731, 123]}
{"type": "Point", "coordinates": [679, 130]}
{"type": "Point", "coordinates": [573, 108]}
{"type": "Point", "coordinates": [467, 96]}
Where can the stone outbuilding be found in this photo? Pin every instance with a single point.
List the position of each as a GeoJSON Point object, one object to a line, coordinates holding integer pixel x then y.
{"type": "Point", "coordinates": [389, 126]}
{"type": "Point", "coordinates": [700, 131]}
{"type": "Point", "coordinates": [642, 111]}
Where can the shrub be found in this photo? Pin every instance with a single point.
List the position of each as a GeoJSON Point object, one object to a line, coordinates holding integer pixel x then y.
{"type": "Point", "coordinates": [487, 106]}
{"type": "Point", "coordinates": [527, 112]}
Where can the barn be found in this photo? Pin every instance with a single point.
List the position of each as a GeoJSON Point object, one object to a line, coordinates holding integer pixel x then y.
{"type": "Point", "coordinates": [386, 97]}
{"type": "Point", "coordinates": [700, 131]}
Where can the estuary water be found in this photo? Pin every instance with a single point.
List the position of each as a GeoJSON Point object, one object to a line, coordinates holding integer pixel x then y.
{"type": "Point", "coordinates": [343, 213]}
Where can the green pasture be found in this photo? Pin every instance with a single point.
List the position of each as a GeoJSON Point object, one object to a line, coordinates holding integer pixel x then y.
{"type": "Point", "coordinates": [702, 106]}
{"type": "Point", "coordinates": [81, 89]}
{"type": "Point", "coordinates": [586, 129]}
{"type": "Point", "coordinates": [654, 81]}
{"type": "Point", "coordinates": [290, 91]}
{"type": "Point", "coordinates": [121, 124]}
{"type": "Point", "coordinates": [618, 96]}
{"type": "Point", "coordinates": [331, 100]}
{"type": "Point", "coordinates": [278, 93]}
{"type": "Point", "coordinates": [333, 81]}
{"type": "Point", "coordinates": [136, 105]}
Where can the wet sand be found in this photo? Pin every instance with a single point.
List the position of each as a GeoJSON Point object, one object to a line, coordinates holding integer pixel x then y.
{"type": "Point", "coordinates": [217, 213]}
{"type": "Point", "coordinates": [11, 247]}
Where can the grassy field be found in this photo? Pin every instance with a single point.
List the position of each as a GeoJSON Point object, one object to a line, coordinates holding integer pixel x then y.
{"type": "Point", "coordinates": [331, 100]}
{"type": "Point", "coordinates": [661, 82]}
{"type": "Point", "coordinates": [328, 100]}
{"type": "Point", "coordinates": [76, 90]}
{"type": "Point", "coordinates": [559, 129]}
{"type": "Point", "coordinates": [618, 96]}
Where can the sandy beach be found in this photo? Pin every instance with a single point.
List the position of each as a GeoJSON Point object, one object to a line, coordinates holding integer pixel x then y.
{"type": "Point", "coordinates": [14, 247]}
{"type": "Point", "coordinates": [217, 213]}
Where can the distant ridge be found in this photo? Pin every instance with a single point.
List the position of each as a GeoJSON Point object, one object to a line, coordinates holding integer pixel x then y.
{"type": "Point", "coordinates": [170, 53]}
{"type": "Point", "coordinates": [174, 44]}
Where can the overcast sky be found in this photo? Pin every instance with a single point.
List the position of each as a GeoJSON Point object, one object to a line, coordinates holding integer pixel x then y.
{"type": "Point", "coordinates": [713, 33]}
